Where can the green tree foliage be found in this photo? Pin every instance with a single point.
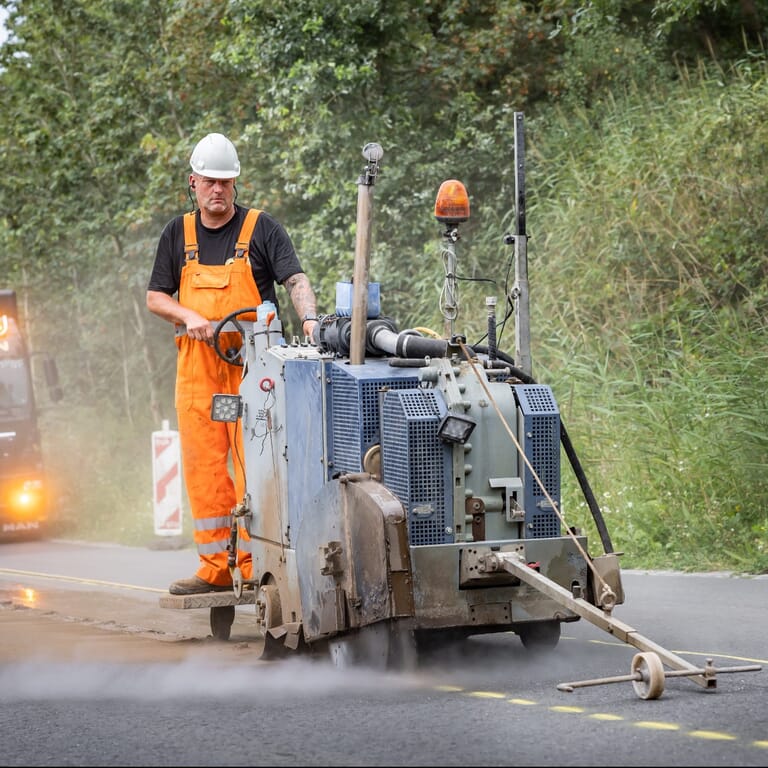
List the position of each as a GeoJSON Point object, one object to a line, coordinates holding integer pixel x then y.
{"type": "Point", "coordinates": [89, 103]}
{"type": "Point", "coordinates": [436, 84]}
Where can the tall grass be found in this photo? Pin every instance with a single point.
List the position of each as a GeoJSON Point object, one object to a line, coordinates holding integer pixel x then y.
{"type": "Point", "coordinates": [653, 268]}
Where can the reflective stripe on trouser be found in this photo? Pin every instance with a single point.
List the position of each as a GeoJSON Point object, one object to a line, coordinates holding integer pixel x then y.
{"type": "Point", "coordinates": [205, 449]}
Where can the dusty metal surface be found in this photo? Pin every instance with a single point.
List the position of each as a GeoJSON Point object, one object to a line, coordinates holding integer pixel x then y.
{"type": "Point", "coordinates": [349, 561]}
{"type": "Point", "coordinates": [495, 598]}
{"type": "Point", "coordinates": [208, 600]}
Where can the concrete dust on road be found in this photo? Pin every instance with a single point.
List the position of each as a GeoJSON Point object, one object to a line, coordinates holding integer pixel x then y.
{"type": "Point", "coordinates": [65, 625]}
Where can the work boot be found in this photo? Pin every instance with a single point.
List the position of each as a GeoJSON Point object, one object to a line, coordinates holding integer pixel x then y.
{"type": "Point", "coordinates": [195, 586]}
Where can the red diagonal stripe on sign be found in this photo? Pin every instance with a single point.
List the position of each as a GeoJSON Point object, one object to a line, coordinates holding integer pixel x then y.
{"type": "Point", "coordinates": [161, 444]}
{"type": "Point", "coordinates": [173, 520]}
{"type": "Point", "coordinates": [166, 480]}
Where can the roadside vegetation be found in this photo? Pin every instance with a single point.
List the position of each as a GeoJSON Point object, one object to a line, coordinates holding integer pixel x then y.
{"type": "Point", "coordinates": [650, 291]}
{"type": "Point", "coordinates": [647, 212]}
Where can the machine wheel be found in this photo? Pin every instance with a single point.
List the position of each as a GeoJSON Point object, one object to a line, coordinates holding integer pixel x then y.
{"type": "Point", "coordinates": [651, 670]}
{"type": "Point", "coordinates": [378, 646]}
{"type": "Point", "coordinates": [222, 618]}
{"type": "Point", "coordinates": [270, 615]}
{"type": "Point", "coordinates": [539, 635]}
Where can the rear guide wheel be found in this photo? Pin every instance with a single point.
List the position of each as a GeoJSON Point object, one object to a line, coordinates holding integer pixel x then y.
{"type": "Point", "coordinates": [649, 673]}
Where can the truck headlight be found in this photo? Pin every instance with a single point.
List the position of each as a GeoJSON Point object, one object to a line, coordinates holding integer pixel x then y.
{"type": "Point", "coordinates": [27, 497]}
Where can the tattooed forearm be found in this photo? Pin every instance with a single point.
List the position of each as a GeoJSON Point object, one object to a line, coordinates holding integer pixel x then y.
{"type": "Point", "coordinates": [301, 294]}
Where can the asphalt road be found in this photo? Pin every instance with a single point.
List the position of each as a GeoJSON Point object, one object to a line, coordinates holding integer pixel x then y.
{"type": "Point", "coordinates": [94, 672]}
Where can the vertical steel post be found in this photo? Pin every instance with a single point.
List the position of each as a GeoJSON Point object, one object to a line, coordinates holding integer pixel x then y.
{"type": "Point", "coordinates": [520, 289]}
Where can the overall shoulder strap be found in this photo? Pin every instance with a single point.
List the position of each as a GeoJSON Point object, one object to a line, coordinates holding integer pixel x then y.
{"type": "Point", "coordinates": [246, 232]}
{"type": "Point", "coordinates": [190, 237]}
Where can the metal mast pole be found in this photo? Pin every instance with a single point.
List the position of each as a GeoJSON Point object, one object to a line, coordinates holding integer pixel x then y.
{"type": "Point", "coordinates": [520, 289]}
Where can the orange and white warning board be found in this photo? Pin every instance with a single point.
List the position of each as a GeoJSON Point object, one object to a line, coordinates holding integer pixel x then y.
{"type": "Point", "coordinates": [166, 481]}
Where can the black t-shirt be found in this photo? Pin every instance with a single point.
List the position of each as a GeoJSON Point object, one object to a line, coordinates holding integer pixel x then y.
{"type": "Point", "coordinates": [271, 252]}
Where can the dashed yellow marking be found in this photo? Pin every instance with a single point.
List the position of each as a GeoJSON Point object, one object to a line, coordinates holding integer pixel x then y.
{"type": "Point", "coordinates": [604, 716]}
{"type": "Point", "coordinates": [712, 735]}
{"type": "Point", "coordinates": [657, 726]}
{"type": "Point", "coordinates": [488, 695]}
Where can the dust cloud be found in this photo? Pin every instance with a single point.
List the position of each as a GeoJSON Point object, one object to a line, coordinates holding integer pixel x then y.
{"type": "Point", "coordinates": [38, 679]}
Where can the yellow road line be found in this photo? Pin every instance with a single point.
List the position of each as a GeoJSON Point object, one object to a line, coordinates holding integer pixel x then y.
{"type": "Point", "coordinates": [77, 580]}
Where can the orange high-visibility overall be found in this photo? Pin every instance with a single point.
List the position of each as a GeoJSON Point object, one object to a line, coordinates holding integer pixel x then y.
{"type": "Point", "coordinates": [214, 292]}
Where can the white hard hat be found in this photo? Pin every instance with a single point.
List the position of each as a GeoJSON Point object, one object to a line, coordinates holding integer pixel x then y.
{"type": "Point", "coordinates": [215, 156]}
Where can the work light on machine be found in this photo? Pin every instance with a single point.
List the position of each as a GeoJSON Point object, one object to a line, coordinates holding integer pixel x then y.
{"type": "Point", "coordinates": [226, 407]}
{"type": "Point", "coordinates": [455, 429]}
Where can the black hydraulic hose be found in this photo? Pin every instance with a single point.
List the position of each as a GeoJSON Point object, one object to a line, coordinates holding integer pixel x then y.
{"type": "Point", "coordinates": [510, 363]}
{"type": "Point", "coordinates": [382, 337]}
{"type": "Point", "coordinates": [411, 362]}
{"type": "Point", "coordinates": [586, 489]}
{"type": "Point", "coordinates": [405, 344]}
{"type": "Point", "coordinates": [578, 470]}
{"type": "Point", "coordinates": [334, 334]}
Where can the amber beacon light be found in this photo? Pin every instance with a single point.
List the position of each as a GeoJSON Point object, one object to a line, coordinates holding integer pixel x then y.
{"type": "Point", "coordinates": [452, 204]}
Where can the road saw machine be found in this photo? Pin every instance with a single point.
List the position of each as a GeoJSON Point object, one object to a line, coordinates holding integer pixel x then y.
{"type": "Point", "coordinates": [403, 489]}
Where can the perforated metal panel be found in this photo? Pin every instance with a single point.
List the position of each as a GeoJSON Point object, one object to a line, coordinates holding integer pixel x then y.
{"type": "Point", "coordinates": [416, 464]}
{"type": "Point", "coordinates": [541, 442]}
{"type": "Point", "coordinates": [355, 392]}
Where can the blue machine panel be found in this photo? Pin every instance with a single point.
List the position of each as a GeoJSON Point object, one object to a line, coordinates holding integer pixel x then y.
{"type": "Point", "coordinates": [355, 392]}
{"type": "Point", "coordinates": [304, 436]}
{"type": "Point", "coordinates": [541, 444]}
{"type": "Point", "coordinates": [416, 465]}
